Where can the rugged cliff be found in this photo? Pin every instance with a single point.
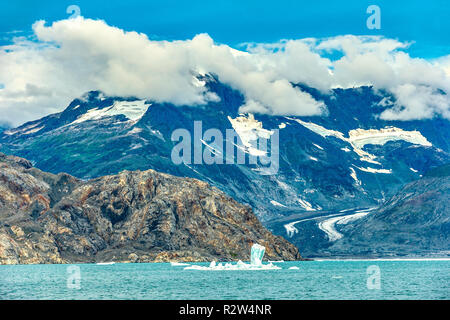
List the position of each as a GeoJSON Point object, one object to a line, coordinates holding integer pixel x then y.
{"type": "Point", "coordinates": [132, 216]}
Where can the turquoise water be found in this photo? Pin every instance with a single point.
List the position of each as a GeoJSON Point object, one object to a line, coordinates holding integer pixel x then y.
{"type": "Point", "coordinates": [314, 280]}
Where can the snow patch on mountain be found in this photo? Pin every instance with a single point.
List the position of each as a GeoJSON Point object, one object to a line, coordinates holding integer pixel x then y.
{"type": "Point", "coordinates": [358, 138]}
{"type": "Point", "coordinates": [135, 130]}
{"type": "Point", "coordinates": [198, 83]}
{"type": "Point", "coordinates": [354, 176]}
{"type": "Point", "coordinates": [306, 205]}
{"type": "Point", "coordinates": [34, 130]}
{"type": "Point", "coordinates": [249, 131]}
{"type": "Point", "coordinates": [133, 110]}
{"type": "Point", "coordinates": [372, 170]}
{"type": "Point", "coordinates": [291, 229]}
{"type": "Point", "coordinates": [317, 146]}
{"type": "Point", "coordinates": [26, 130]}
{"type": "Point", "coordinates": [291, 194]}
{"type": "Point", "coordinates": [277, 204]}
{"type": "Point", "coordinates": [319, 129]}
{"type": "Point", "coordinates": [135, 146]}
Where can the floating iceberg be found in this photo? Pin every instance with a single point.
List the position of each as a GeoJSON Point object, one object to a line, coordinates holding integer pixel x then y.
{"type": "Point", "coordinates": [256, 256]}
{"type": "Point", "coordinates": [228, 266]}
{"type": "Point", "coordinates": [177, 264]}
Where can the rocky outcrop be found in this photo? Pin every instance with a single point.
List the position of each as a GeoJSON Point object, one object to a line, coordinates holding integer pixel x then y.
{"type": "Point", "coordinates": [132, 216]}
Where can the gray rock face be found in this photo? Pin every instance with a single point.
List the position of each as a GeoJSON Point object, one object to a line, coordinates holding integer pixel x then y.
{"type": "Point", "coordinates": [132, 216]}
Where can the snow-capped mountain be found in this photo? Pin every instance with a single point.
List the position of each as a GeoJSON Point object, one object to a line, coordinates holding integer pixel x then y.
{"type": "Point", "coordinates": [347, 159]}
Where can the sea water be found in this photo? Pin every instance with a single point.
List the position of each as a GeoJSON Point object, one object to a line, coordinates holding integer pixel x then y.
{"type": "Point", "coordinates": [368, 279]}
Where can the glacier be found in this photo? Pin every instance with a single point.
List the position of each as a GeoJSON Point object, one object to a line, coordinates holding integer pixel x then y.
{"type": "Point", "coordinates": [133, 110]}
{"type": "Point", "coordinates": [328, 226]}
{"type": "Point", "coordinates": [358, 138]}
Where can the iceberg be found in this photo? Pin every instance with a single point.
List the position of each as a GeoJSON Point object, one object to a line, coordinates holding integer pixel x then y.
{"type": "Point", "coordinates": [177, 264]}
{"type": "Point", "coordinates": [228, 266]}
{"type": "Point", "coordinates": [256, 256]}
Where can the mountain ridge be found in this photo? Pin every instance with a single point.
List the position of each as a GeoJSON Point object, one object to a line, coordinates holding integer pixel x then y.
{"type": "Point", "coordinates": [317, 170]}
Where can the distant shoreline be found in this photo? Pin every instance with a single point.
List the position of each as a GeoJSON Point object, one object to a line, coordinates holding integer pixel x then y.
{"type": "Point", "coordinates": [381, 259]}
{"type": "Point", "coordinates": [196, 262]}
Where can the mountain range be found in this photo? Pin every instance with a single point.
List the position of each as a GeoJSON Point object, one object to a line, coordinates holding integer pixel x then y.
{"type": "Point", "coordinates": [347, 161]}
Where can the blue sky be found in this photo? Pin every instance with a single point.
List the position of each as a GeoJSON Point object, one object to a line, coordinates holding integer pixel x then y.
{"type": "Point", "coordinates": [427, 23]}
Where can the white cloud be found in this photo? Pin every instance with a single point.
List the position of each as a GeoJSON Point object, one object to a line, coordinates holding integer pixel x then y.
{"type": "Point", "coordinates": [421, 87]}
{"type": "Point", "coordinates": [295, 61]}
{"type": "Point", "coordinates": [417, 102]}
{"type": "Point", "coordinates": [444, 63]}
{"type": "Point", "coordinates": [73, 56]}
{"type": "Point", "coordinates": [70, 57]}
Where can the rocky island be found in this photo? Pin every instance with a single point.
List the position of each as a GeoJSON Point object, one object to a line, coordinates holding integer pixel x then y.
{"type": "Point", "coordinates": [134, 216]}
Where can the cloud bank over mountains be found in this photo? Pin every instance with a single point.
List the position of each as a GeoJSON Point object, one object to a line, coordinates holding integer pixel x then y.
{"type": "Point", "coordinates": [42, 74]}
